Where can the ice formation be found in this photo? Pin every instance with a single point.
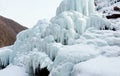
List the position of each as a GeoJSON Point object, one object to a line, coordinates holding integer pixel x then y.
{"type": "Point", "coordinates": [85, 7]}
{"type": "Point", "coordinates": [71, 37]}
{"type": "Point", "coordinates": [4, 56]}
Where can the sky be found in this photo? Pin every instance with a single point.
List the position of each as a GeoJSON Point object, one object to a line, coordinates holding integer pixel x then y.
{"type": "Point", "coordinates": [28, 12]}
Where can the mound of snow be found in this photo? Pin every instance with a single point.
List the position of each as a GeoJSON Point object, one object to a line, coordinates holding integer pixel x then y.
{"type": "Point", "coordinates": [100, 66]}
{"type": "Point", "coordinates": [70, 55]}
{"type": "Point", "coordinates": [13, 70]}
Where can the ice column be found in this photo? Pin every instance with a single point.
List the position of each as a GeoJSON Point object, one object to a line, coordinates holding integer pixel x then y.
{"type": "Point", "coordinates": [86, 7]}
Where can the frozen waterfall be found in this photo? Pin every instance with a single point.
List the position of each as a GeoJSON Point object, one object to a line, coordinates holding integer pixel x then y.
{"type": "Point", "coordinates": [72, 18]}
{"type": "Point", "coordinates": [85, 7]}
{"type": "Point", "coordinates": [68, 33]}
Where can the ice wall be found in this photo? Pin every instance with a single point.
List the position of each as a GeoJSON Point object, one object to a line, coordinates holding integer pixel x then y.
{"type": "Point", "coordinates": [72, 19]}
{"type": "Point", "coordinates": [85, 7]}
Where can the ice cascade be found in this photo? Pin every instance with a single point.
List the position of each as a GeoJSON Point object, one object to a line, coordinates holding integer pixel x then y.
{"type": "Point", "coordinates": [47, 44]}
{"type": "Point", "coordinates": [72, 18]}
{"type": "Point", "coordinates": [85, 7]}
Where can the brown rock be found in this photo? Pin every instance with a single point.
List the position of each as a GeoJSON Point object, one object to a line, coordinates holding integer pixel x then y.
{"type": "Point", "coordinates": [116, 8]}
{"type": "Point", "coordinates": [8, 31]}
{"type": "Point", "coordinates": [113, 16]}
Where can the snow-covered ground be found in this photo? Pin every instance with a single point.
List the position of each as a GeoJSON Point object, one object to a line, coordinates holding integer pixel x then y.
{"type": "Point", "coordinates": [13, 70]}
{"type": "Point", "coordinates": [100, 66]}
{"type": "Point", "coordinates": [73, 43]}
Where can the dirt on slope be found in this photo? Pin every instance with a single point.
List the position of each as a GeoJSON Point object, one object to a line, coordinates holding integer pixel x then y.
{"type": "Point", "coordinates": [8, 31]}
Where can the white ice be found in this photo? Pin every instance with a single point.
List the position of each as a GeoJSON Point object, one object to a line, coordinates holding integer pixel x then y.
{"type": "Point", "coordinates": [72, 37]}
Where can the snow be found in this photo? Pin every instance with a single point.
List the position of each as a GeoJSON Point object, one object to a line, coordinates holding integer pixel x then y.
{"type": "Point", "coordinates": [104, 3]}
{"type": "Point", "coordinates": [100, 66]}
{"type": "Point", "coordinates": [62, 70]}
{"type": "Point", "coordinates": [13, 70]}
{"type": "Point", "coordinates": [99, 37]}
{"type": "Point", "coordinates": [70, 55]}
{"type": "Point", "coordinates": [75, 53]}
{"type": "Point", "coordinates": [110, 51]}
{"type": "Point", "coordinates": [89, 46]}
{"type": "Point", "coordinates": [106, 8]}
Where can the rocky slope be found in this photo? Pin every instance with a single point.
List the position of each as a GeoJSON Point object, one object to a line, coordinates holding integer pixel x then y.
{"type": "Point", "coordinates": [8, 31]}
{"type": "Point", "coordinates": [110, 9]}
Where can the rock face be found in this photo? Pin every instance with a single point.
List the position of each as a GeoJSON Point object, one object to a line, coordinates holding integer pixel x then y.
{"type": "Point", "coordinates": [8, 31]}
{"type": "Point", "coordinates": [110, 9]}
{"type": "Point", "coordinates": [116, 8]}
{"type": "Point", "coordinates": [100, 4]}
{"type": "Point", "coordinates": [113, 16]}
